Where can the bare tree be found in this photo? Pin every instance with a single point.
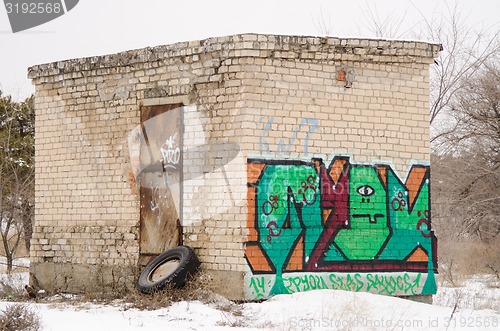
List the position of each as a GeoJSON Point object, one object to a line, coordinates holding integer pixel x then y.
{"type": "Point", "coordinates": [464, 114]}
{"type": "Point", "coordinates": [465, 51]}
{"type": "Point", "coordinates": [466, 48]}
{"type": "Point", "coordinates": [16, 173]}
{"type": "Point", "coordinates": [465, 199]}
{"type": "Point", "coordinates": [389, 25]}
{"type": "Point", "coordinates": [475, 114]}
{"type": "Point", "coordinates": [473, 148]}
{"type": "Point", "coordinates": [322, 24]}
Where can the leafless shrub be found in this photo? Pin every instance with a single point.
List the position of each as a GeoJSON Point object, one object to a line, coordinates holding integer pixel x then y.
{"type": "Point", "coordinates": [19, 317]}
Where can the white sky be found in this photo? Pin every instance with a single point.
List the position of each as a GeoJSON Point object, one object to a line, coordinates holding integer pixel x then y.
{"type": "Point", "coordinates": [97, 27]}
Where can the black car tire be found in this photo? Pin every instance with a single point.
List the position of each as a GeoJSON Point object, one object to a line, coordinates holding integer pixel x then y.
{"type": "Point", "coordinates": [171, 267]}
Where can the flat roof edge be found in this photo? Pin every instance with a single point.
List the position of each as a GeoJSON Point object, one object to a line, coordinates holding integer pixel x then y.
{"type": "Point", "coordinates": [255, 45]}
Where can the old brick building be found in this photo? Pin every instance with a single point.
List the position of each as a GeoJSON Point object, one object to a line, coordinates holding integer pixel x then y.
{"type": "Point", "coordinates": [287, 164]}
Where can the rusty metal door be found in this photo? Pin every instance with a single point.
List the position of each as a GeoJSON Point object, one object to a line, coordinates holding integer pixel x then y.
{"type": "Point", "coordinates": [160, 179]}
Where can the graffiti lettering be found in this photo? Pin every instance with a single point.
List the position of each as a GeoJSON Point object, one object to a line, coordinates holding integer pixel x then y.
{"type": "Point", "coordinates": [349, 283]}
{"type": "Point", "coordinates": [257, 285]}
{"type": "Point", "coordinates": [379, 283]}
{"type": "Point", "coordinates": [171, 155]}
{"type": "Point", "coordinates": [305, 283]}
{"type": "Point", "coordinates": [361, 218]}
{"type": "Point", "coordinates": [383, 284]}
{"type": "Point", "coordinates": [262, 139]}
{"type": "Point", "coordinates": [285, 148]}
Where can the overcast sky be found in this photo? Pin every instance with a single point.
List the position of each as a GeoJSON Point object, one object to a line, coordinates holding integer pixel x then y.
{"type": "Point", "coordinates": [97, 27]}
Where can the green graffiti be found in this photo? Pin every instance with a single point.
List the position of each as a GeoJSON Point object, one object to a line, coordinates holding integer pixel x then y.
{"type": "Point", "coordinates": [288, 203]}
{"type": "Point", "coordinates": [348, 283]}
{"type": "Point", "coordinates": [305, 283]}
{"type": "Point", "coordinates": [410, 224]}
{"type": "Point", "coordinates": [403, 221]}
{"type": "Point", "coordinates": [334, 254]}
{"type": "Point", "coordinates": [368, 229]}
{"type": "Point", "coordinates": [378, 283]}
{"type": "Point", "coordinates": [257, 285]}
{"type": "Point", "coordinates": [390, 285]}
{"type": "Point", "coordinates": [344, 218]}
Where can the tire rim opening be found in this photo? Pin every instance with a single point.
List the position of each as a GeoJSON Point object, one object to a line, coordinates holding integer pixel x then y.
{"type": "Point", "coordinates": [164, 270]}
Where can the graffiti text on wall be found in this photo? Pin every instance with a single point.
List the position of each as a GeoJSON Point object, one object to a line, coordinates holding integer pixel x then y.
{"type": "Point", "coordinates": [259, 286]}
{"type": "Point", "coordinates": [284, 147]}
{"type": "Point", "coordinates": [304, 216]}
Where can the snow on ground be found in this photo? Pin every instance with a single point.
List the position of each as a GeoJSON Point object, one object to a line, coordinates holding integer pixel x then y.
{"type": "Point", "coordinates": [18, 265]}
{"type": "Point", "coordinates": [478, 292]}
{"type": "Point", "coordinates": [314, 310]}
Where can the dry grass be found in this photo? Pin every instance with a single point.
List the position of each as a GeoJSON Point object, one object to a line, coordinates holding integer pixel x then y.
{"type": "Point", "coordinates": [199, 287]}
{"type": "Point", "coordinates": [460, 259]}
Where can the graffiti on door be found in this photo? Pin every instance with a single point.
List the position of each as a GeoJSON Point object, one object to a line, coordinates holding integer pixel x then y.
{"type": "Point", "coordinates": [345, 217]}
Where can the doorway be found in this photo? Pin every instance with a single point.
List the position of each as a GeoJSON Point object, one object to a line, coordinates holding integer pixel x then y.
{"type": "Point", "coordinates": [160, 180]}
